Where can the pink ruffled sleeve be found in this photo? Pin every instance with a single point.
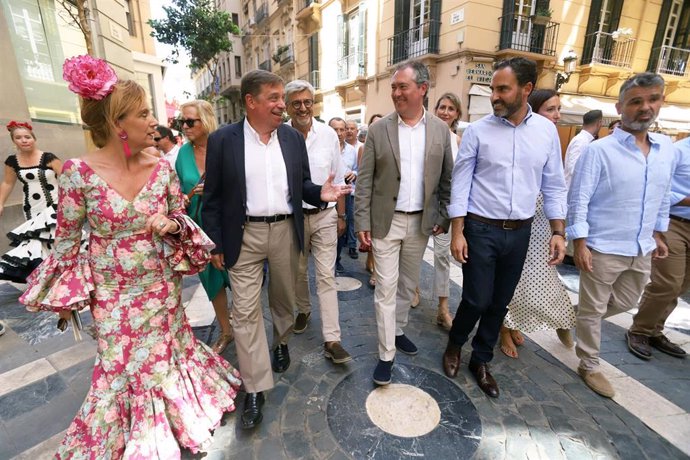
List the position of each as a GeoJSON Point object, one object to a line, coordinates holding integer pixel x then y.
{"type": "Point", "coordinates": [189, 251]}
{"type": "Point", "coordinates": [63, 281]}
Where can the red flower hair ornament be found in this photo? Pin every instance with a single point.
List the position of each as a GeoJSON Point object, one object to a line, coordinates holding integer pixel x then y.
{"type": "Point", "coordinates": [89, 77]}
{"type": "Point", "coordinates": [17, 124]}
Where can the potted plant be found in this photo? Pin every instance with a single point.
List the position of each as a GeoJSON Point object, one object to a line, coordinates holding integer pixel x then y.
{"type": "Point", "coordinates": [542, 16]}
{"type": "Point", "coordinates": [622, 34]}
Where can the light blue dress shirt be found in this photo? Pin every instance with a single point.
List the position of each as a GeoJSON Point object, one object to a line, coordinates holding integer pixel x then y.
{"type": "Point", "coordinates": [501, 168]}
{"type": "Point", "coordinates": [349, 156]}
{"type": "Point", "coordinates": [680, 184]}
{"type": "Point", "coordinates": [618, 198]}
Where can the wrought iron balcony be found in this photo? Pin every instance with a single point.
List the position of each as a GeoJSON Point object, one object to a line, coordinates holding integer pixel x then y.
{"type": "Point", "coordinates": [529, 34]}
{"type": "Point", "coordinates": [414, 42]}
{"type": "Point", "coordinates": [261, 13]}
{"type": "Point", "coordinates": [352, 66]}
{"type": "Point", "coordinates": [668, 60]}
{"type": "Point", "coordinates": [266, 65]}
{"type": "Point", "coordinates": [605, 48]}
{"type": "Point", "coordinates": [284, 55]}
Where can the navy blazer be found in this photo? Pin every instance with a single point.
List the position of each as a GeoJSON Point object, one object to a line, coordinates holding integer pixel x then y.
{"type": "Point", "coordinates": [225, 189]}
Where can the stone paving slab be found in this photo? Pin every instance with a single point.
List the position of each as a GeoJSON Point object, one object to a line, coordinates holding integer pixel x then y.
{"type": "Point", "coordinates": [544, 410]}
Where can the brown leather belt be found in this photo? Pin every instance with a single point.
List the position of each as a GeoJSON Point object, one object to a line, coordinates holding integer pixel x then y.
{"type": "Point", "coordinates": [410, 213]}
{"type": "Point", "coordinates": [679, 219]}
{"type": "Point", "coordinates": [504, 224]}
{"type": "Point", "coordinates": [268, 219]}
{"type": "Point", "coordinates": [311, 211]}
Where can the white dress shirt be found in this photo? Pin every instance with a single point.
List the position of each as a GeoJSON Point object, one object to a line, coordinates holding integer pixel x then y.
{"type": "Point", "coordinates": [412, 141]}
{"type": "Point", "coordinates": [572, 154]}
{"type": "Point", "coordinates": [171, 156]}
{"type": "Point", "coordinates": [323, 149]}
{"type": "Point", "coordinates": [267, 184]}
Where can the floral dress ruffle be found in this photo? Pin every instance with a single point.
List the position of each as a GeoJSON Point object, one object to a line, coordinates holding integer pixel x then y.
{"type": "Point", "coordinates": [154, 388]}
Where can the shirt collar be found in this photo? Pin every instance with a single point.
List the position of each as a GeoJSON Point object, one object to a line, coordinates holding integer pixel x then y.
{"type": "Point", "coordinates": [312, 128]}
{"type": "Point", "coordinates": [422, 120]}
{"type": "Point", "coordinates": [507, 122]}
{"type": "Point", "coordinates": [625, 137]}
{"type": "Point", "coordinates": [250, 131]}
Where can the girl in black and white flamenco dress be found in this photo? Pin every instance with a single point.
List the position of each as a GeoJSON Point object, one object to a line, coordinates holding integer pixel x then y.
{"type": "Point", "coordinates": [37, 171]}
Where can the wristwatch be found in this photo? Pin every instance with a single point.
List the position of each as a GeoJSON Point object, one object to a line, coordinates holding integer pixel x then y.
{"type": "Point", "coordinates": [342, 216]}
{"type": "Point", "coordinates": [558, 232]}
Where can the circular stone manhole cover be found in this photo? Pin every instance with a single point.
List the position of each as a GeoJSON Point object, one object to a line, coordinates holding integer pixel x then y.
{"type": "Point", "coordinates": [366, 431]}
{"type": "Point", "coordinates": [403, 410]}
{"type": "Point", "coordinates": [345, 283]}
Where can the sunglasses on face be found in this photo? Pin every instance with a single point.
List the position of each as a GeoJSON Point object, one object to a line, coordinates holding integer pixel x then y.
{"type": "Point", "coordinates": [297, 104]}
{"type": "Point", "coordinates": [189, 121]}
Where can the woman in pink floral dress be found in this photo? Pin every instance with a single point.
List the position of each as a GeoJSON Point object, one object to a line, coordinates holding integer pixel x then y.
{"type": "Point", "coordinates": [155, 388]}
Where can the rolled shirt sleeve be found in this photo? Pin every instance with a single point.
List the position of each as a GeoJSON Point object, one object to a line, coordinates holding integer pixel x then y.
{"type": "Point", "coordinates": [584, 183]}
{"type": "Point", "coordinates": [553, 183]}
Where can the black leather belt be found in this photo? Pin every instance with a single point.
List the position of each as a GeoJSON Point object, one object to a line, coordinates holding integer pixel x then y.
{"type": "Point", "coordinates": [410, 213]}
{"type": "Point", "coordinates": [504, 224]}
{"type": "Point", "coordinates": [311, 211]}
{"type": "Point", "coordinates": [268, 219]}
{"type": "Point", "coordinates": [679, 219]}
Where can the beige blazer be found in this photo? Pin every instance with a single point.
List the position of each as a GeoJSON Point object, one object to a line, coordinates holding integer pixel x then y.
{"type": "Point", "coordinates": [378, 181]}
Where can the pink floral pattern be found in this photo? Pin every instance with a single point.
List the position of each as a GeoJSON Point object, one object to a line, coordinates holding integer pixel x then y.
{"type": "Point", "coordinates": [155, 388]}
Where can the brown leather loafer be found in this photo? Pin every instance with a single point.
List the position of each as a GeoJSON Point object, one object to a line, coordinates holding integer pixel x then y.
{"type": "Point", "coordinates": [451, 360]}
{"type": "Point", "coordinates": [663, 344]}
{"type": "Point", "coordinates": [638, 345]}
{"type": "Point", "coordinates": [484, 378]}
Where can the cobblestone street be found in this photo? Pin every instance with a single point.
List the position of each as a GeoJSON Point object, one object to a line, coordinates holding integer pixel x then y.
{"type": "Point", "coordinates": [317, 410]}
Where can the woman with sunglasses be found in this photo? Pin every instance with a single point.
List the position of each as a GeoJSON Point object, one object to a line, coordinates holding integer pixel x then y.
{"type": "Point", "coordinates": [198, 121]}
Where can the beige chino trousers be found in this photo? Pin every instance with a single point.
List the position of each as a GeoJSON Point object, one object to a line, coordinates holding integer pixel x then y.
{"type": "Point", "coordinates": [276, 243]}
{"type": "Point", "coordinates": [398, 260]}
{"type": "Point", "coordinates": [614, 286]}
{"type": "Point", "coordinates": [321, 238]}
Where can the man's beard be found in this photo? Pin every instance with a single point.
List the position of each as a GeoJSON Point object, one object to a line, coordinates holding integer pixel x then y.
{"type": "Point", "coordinates": [507, 109]}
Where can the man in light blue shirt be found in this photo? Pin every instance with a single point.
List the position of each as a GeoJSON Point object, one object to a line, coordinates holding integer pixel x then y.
{"type": "Point", "coordinates": [670, 276]}
{"type": "Point", "coordinates": [617, 209]}
{"type": "Point", "coordinates": [504, 161]}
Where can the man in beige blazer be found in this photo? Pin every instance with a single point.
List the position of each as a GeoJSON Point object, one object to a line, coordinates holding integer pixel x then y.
{"type": "Point", "coordinates": [401, 198]}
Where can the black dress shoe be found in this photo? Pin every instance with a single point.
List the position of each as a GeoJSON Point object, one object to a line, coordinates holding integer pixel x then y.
{"type": "Point", "coordinates": [353, 253]}
{"type": "Point", "coordinates": [662, 343]}
{"type": "Point", "coordinates": [451, 360]}
{"type": "Point", "coordinates": [484, 378]}
{"type": "Point", "coordinates": [281, 358]}
{"type": "Point", "coordinates": [251, 416]}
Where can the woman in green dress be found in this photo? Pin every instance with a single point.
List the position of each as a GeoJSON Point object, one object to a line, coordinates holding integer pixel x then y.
{"type": "Point", "coordinates": [198, 121]}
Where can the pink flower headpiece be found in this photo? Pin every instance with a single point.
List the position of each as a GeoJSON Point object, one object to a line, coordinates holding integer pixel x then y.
{"type": "Point", "coordinates": [89, 77]}
{"type": "Point", "coordinates": [17, 124]}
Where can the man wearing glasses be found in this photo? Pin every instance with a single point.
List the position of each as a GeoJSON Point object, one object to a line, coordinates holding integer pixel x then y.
{"type": "Point", "coordinates": [321, 225]}
{"type": "Point", "coordinates": [165, 143]}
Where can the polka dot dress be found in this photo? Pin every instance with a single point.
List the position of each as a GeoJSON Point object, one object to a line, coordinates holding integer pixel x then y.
{"type": "Point", "coordinates": [33, 239]}
{"type": "Point", "coordinates": [540, 301]}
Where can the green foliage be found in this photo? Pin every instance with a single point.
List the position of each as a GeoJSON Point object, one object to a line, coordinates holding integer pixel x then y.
{"type": "Point", "coordinates": [198, 28]}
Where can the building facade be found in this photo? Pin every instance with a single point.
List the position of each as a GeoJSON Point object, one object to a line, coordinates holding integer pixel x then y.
{"type": "Point", "coordinates": [36, 36]}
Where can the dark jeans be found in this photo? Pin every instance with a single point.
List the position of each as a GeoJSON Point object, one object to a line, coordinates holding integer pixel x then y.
{"type": "Point", "coordinates": [348, 238]}
{"type": "Point", "coordinates": [492, 271]}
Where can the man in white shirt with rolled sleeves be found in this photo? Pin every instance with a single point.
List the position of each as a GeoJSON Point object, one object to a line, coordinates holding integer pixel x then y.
{"type": "Point", "coordinates": [321, 225]}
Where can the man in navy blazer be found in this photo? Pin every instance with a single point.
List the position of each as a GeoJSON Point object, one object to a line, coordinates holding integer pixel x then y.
{"type": "Point", "coordinates": [257, 174]}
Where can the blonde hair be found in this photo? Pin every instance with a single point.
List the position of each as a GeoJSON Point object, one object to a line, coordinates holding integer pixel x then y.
{"type": "Point", "coordinates": [15, 128]}
{"type": "Point", "coordinates": [101, 116]}
{"type": "Point", "coordinates": [205, 111]}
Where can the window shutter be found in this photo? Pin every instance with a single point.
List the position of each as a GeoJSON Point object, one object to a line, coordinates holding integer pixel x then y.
{"type": "Point", "coordinates": [507, 24]}
{"type": "Point", "coordinates": [659, 36]}
{"type": "Point", "coordinates": [401, 22]}
{"type": "Point", "coordinates": [435, 26]}
{"type": "Point", "coordinates": [616, 15]}
{"type": "Point", "coordinates": [362, 40]}
{"type": "Point", "coordinates": [592, 28]}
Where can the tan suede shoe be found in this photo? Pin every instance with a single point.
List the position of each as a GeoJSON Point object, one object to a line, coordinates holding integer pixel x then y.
{"type": "Point", "coordinates": [597, 382]}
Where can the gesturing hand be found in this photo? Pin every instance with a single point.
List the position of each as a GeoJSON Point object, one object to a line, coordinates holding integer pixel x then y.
{"type": "Point", "coordinates": [160, 224]}
{"type": "Point", "coordinates": [331, 191]}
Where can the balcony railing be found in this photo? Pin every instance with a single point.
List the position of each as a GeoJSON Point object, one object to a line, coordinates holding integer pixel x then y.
{"type": "Point", "coordinates": [306, 3]}
{"type": "Point", "coordinates": [414, 42]}
{"type": "Point", "coordinates": [313, 78]}
{"type": "Point", "coordinates": [266, 65]}
{"type": "Point", "coordinates": [284, 56]}
{"type": "Point", "coordinates": [672, 61]}
{"type": "Point", "coordinates": [352, 66]}
{"type": "Point", "coordinates": [605, 49]}
{"type": "Point", "coordinates": [522, 33]}
{"type": "Point", "coordinates": [261, 13]}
